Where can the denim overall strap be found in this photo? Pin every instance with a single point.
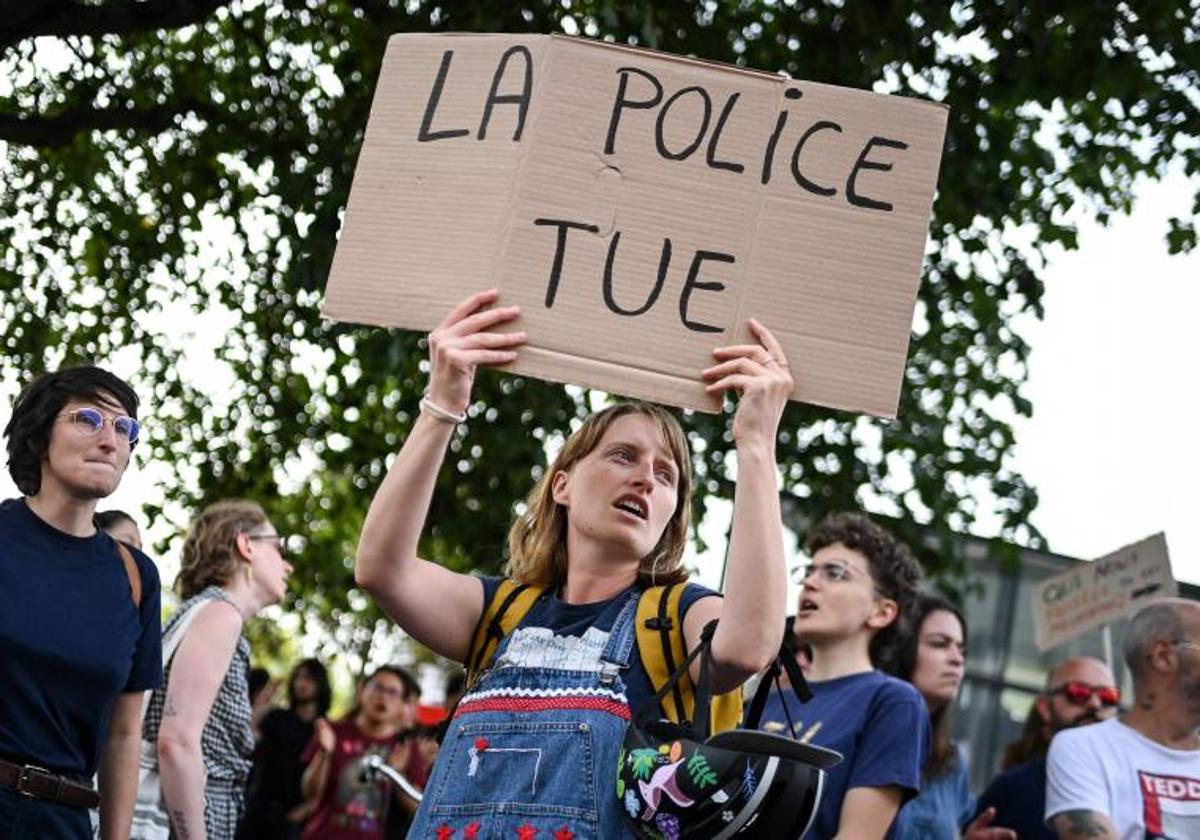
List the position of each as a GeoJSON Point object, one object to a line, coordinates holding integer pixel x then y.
{"type": "Point", "coordinates": [615, 657]}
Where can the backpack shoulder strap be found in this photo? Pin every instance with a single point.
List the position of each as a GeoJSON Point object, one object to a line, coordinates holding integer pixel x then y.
{"type": "Point", "coordinates": [131, 570]}
{"type": "Point", "coordinates": [662, 648]}
{"type": "Point", "coordinates": [511, 602]}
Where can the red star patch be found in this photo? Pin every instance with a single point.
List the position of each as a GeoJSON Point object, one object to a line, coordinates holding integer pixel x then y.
{"type": "Point", "coordinates": [444, 832]}
{"type": "Point", "coordinates": [471, 832]}
{"type": "Point", "coordinates": [564, 833]}
{"type": "Point", "coordinates": [481, 744]}
{"type": "Point", "coordinates": [526, 832]}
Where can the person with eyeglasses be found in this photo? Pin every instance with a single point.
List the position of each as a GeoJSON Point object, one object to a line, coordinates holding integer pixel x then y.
{"type": "Point", "coordinates": [345, 805]}
{"type": "Point", "coordinates": [197, 736]}
{"type": "Point", "coordinates": [79, 612]}
{"type": "Point", "coordinates": [1137, 775]}
{"type": "Point", "coordinates": [857, 604]}
{"type": "Point", "coordinates": [1079, 691]}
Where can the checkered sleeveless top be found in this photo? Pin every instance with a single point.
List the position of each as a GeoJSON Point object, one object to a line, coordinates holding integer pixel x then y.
{"type": "Point", "coordinates": [227, 740]}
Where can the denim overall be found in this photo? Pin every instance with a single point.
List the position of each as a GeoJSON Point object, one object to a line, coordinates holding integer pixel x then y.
{"type": "Point", "coordinates": [531, 753]}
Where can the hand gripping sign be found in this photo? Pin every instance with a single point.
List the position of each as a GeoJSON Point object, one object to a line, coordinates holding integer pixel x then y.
{"type": "Point", "coordinates": [639, 207]}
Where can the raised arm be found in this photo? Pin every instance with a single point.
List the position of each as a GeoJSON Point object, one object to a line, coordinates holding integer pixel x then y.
{"type": "Point", "coordinates": [754, 606]}
{"type": "Point", "coordinates": [435, 606]}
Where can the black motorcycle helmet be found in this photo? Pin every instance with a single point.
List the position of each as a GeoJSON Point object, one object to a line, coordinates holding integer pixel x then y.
{"type": "Point", "coordinates": [674, 781]}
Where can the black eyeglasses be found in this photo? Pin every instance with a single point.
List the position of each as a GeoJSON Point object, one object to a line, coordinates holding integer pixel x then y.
{"type": "Point", "coordinates": [90, 421]}
{"type": "Point", "coordinates": [282, 541]}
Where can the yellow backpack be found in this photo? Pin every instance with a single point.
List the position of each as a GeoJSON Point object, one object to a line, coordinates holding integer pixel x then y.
{"type": "Point", "coordinates": [659, 639]}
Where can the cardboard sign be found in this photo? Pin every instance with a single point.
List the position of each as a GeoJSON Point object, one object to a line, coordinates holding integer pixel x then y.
{"type": "Point", "coordinates": [639, 207]}
{"type": "Point", "coordinates": [1093, 594]}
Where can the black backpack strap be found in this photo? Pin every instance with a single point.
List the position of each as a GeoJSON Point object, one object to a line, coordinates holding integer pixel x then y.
{"type": "Point", "coordinates": [785, 660]}
{"type": "Point", "coordinates": [703, 690]}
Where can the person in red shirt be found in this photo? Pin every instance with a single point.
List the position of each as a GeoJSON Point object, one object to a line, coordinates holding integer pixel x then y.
{"type": "Point", "coordinates": [349, 807]}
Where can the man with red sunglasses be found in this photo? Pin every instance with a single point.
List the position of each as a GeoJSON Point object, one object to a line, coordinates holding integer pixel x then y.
{"type": "Point", "coordinates": [1078, 691]}
{"type": "Point", "coordinates": [1137, 776]}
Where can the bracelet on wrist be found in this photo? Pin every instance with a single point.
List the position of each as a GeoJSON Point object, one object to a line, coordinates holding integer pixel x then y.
{"type": "Point", "coordinates": [439, 413]}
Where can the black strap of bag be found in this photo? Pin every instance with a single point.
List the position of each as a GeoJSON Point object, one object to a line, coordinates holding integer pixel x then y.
{"type": "Point", "coordinates": [785, 661]}
{"type": "Point", "coordinates": [703, 688]}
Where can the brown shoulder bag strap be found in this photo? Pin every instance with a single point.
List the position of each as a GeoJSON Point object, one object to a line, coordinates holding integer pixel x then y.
{"type": "Point", "coordinates": [131, 569]}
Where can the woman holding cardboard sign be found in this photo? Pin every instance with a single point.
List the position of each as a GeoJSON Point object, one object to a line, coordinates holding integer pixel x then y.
{"type": "Point", "coordinates": [532, 747]}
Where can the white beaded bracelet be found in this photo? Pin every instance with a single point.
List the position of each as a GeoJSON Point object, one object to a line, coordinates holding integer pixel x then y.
{"type": "Point", "coordinates": [444, 414]}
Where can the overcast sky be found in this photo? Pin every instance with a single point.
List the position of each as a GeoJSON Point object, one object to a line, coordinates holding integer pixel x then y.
{"type": "Point", "coordinates": [1115, 383]}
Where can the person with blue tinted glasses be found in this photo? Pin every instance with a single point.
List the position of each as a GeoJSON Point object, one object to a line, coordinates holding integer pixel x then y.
{"type": "Point", "coordinates": [79, 613]}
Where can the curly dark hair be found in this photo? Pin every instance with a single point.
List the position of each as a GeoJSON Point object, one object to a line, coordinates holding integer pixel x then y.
{"type": "Point", "coordinates": [894, 571]}
{"type": "Point", "coordinates": [37, 406]}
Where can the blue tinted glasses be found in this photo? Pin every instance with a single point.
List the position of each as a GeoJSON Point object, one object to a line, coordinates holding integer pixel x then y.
{"type": "Point", "coordinates": [90, 421]}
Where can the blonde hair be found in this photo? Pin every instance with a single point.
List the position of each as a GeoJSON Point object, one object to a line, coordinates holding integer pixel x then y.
{"type": "Point", "coordinates": [210, 556]}
{"type": "Point", "coordinates": [537, 541]}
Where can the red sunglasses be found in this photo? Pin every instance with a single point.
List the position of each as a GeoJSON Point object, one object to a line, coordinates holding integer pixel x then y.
{"type": "Point", "coordinates": [1080, 692]}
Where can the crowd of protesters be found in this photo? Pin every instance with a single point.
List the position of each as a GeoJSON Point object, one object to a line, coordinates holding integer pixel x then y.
{"type": "Point", "coordinates": [163, 729]}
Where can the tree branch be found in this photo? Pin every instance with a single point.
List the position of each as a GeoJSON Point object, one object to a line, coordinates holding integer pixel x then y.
{"type": "Point", "coordinates": [63, 127]}
{"type": "Point", "coordinates": [23, 19]}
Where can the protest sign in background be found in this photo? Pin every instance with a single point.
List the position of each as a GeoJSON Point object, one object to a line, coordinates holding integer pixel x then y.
{"type": "Point", "coordinates": [1093, 594]}
{"type": "Point", "coordinates": [639, 207]}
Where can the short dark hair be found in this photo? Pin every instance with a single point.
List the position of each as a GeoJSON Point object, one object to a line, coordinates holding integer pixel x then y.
{"type": "Point", "coordinates": [37, 406]}
{"type": "Point", "coordinates": [320, 676]}
{"type": "Point", "coordinates": [412, 688]}
{"type": "Point", "coordinates": [894, 571]}
{"type": "Point", "coordinates": [106, 519]}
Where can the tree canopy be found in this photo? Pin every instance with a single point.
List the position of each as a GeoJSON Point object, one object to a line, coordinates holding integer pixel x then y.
{"type": "Point", "coordinates": [180, 166]}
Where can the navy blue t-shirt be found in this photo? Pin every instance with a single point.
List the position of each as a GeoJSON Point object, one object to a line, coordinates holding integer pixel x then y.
{"type": "Point", "coordinates": [1019, 797]}
{"type": "Point", "coordinates": [878, 723]}
{"type": "Point", "coordinates": [71, 640]}
{"type": "Point", "coordinates": [581, 630]}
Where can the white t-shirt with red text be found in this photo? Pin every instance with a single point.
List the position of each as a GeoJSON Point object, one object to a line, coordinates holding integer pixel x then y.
{"type": "Point", "coordinates": [1150, 792]}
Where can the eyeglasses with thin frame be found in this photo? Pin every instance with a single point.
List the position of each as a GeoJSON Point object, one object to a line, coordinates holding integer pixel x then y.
{"type": "Point", "coordinates": [282, 541]}
{"type": "Point", "coordinates": [829, 572]}
{"type": "Point", "coordinates": [90, 421]}
{"type": "Point", "coordinates": [1079, 693]}
{"type": "Point", "coordinates": [386, 691]}
{"type": "Point", "coordinates": [1184, 643]}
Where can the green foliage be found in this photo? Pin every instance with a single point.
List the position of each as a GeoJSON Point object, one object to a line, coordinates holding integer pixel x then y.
{"type": "Point", "coordinates": [179, 167]}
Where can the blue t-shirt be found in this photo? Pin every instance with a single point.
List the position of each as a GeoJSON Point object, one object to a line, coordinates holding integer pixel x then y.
{"type": "Point", "coordinates": [581, 630]}
{"type": "Point", "coordinates": [940, 809]}
{"type": "Point", "coordinates": [1019, 797]}
{"type": "Point", "coordinates": [878, 723]}
{"type": "Point", "coordinates": [71, 640]}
